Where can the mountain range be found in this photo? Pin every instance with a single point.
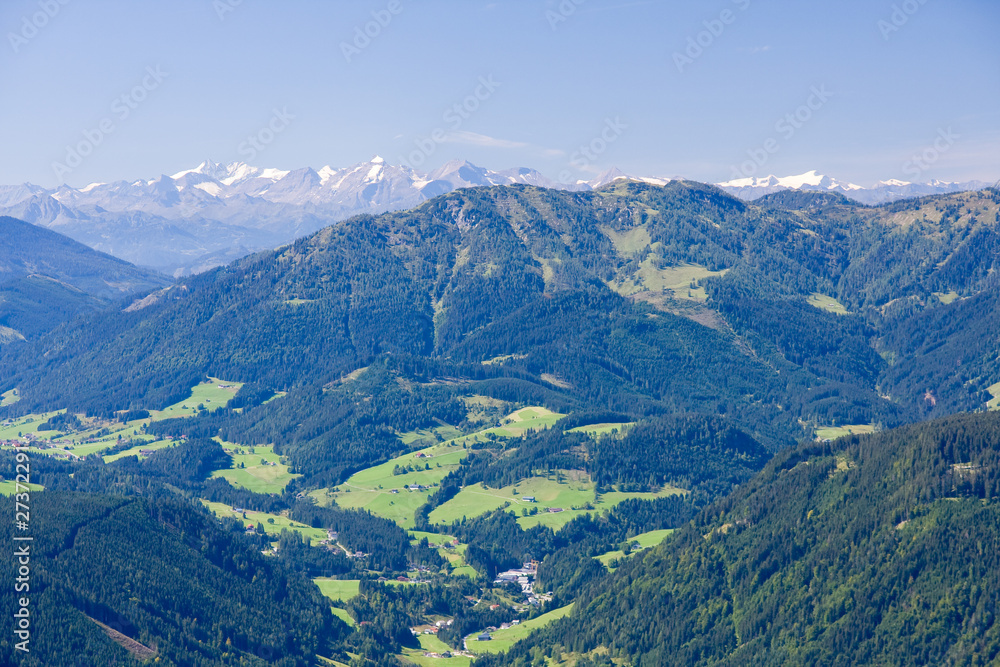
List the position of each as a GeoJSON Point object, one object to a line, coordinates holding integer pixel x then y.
{"type": "Point", "coordinates": [207, 216]}
{"type": "Point", "coordinates": [532, 374]}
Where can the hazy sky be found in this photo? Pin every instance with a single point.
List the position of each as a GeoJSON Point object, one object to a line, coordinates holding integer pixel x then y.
{"type": "Point", "coordinates": [862, 90]}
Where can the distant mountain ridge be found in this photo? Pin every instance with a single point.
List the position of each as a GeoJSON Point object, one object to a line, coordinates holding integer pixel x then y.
{"type": "Point", "coordinates": [882, 192]}
{"type": "Point", "coordinates": [46, 278]}
{"type": "Point", "coordinates": [210, 215]}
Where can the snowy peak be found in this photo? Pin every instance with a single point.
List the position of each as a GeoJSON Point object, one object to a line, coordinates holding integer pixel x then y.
{"type": "Point", "coordinates": [883, 191]}
{"type": "Point", "coordinates": [810, 180]}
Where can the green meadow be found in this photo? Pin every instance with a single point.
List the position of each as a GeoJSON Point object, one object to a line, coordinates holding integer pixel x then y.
{"type": "Point", "coordinates": [9, 487]}
{"type": "Point", "coordinates": [645, 540]}
{"type": "Point", "coordinates": [431, 644]}
{"type": "Point", "coordinates": [211, 394]}
{"type": "Point", "coordinates": [29, 424]}
{"type": "Point", "coordinates": [454, 555]}
{"type": "Point", "coordinates": [601, 429]}
{"type": "Point", "coordinates": [339, 590]}
{"type": "Point", "coordinates": [502, 640]}
{"type": "Point", "coordinates": [994, 403]}
{"type": "Point", "coordinates": [380, 491]}
{"type": "Point", "coordinates": [9, 397]}
{"type": "Point", "coordinates": [138, 449]}
{"type": "Point", "coordinates": [834, 432]}
{"type": "Point", "coordinates": [576, 490]}
{"type": "Point", "coordinates": [256, 469]}
{"type": "Point", "coordinates": [827, 303]}
{"type": "Point", "coordinates": [272, 523]}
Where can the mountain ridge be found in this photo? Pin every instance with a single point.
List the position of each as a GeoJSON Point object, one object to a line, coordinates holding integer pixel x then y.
{"type": "Point", "coordinates": [205, 216]}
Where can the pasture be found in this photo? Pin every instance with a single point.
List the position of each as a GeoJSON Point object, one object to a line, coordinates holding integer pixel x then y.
{"type": "Point", "coordinates": [572, 489]}
{"type": "Point", "coordinates": [645, 540]}
{"type": "Point", "coordinates": [9, 397]}
{"type": "Point", "coordinates": [834, 432]}
{"type": "Point", "coordinates": [256, 469]}
{"type": "Point", "coordinates": [339, 590]}
{"type": "Point", "coordinates": [431, 644]}
{"type": "Point", "coordinates": [994, 403]}
{"type": "Point", "coordinates": [211, 395]}
{"type": "Point", "coordinates": [602, 429]}
{"type": "Point", "coordinates": [502, 640]}
{"type": "Point", "coordinates": [827, 303]}
{"type": "Point", "coordinates": [9, 487]}
{"type": "Point", "coordinates": [138, 449]}
{"type": "Point", "coordinates": [272, 523]}
{"type": "Point", "coordinates": [382, 489]}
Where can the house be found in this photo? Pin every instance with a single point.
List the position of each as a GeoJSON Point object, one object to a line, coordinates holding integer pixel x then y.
{"type": "Point", "coordinates": [553, 510]}
{"type": "Point", "coordinates": [484, 637]}
{"type": "Point", "coordinates": [528, 499]}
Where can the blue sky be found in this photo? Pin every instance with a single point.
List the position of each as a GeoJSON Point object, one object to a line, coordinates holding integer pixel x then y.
{"type": "Point", "coordinates": [861, 90]}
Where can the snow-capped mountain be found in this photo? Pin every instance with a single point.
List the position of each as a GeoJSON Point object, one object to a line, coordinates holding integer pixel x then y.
{"type": "Point", "coordinates": [212, 214]}
{"type": "Point", "coordinates": [209, 215]}
{"type": "Point", "coordinates": [881, 192]}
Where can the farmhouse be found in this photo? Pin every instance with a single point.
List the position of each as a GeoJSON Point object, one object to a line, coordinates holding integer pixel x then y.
{"type": "Point", "coordinates": [553, 510]}
{"type": "Point", "coordinates": [484, 637]}
{"type": "Point", "coordinates": [528, 499]}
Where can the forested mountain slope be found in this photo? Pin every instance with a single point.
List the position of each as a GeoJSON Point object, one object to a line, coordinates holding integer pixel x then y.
{"type": "Point", "coordinates": [879, 549]}
{"type": "Point", "coordinates": [789, 313]}
{"type": "Point", "coordinates": [47, 278]}
{"type": "Point", "coordinates": [161, 574]}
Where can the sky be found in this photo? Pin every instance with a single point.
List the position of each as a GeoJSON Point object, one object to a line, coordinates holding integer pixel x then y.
{"type": "Point", "coordinates": [861, 90]}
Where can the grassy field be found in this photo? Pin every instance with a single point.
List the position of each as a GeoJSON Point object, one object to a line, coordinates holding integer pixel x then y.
{"type": "Point", "coordinates": [576, 490]}
{"type": "Point", "coordinates": [645, 540]}
{"type": "Point", "coordinates": [343, 615]}
{"type": "Point", "coordinates": [601, 429]}
{"type": "Point", "coordinates": [340, 590]}
{"type": "Point", "coordinates": [834, 432]}
{"type": "Point", "coordinates": [257, 473]}
{"type": "Point", "coordinates": [947, 297]}
{"type": "Point", "coordinates": [135, 451]}
{"type": "Point", "coordinates": [827, 303]}
{"type": "Point", "coordinates": [431, 644]}
{"type": "Point", "coordinates": [429, 436]}
{"type": "Point", "coordinates": [455, 555]}
{"type": "Point", "coordinates": [9, 397]}
{"type": "Point", "coordinates": [994, 403]}
{"type": "Point", "coordinates": [630, 242]}
{"type": "Point", "coordinates": [9, 487]}
{"type": "Point", "coordinates": [372, 488]}
{"type": "Point", "coordinates": [676, 280]}
{"type": "Point", "coordinates": [273, 523]}
{"type": "Point", "coordinates": [504, 639]}
{"type": "Point", "coordinates": [212, 394]}
{"type": "Point", "coordinates": [29, 424]}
